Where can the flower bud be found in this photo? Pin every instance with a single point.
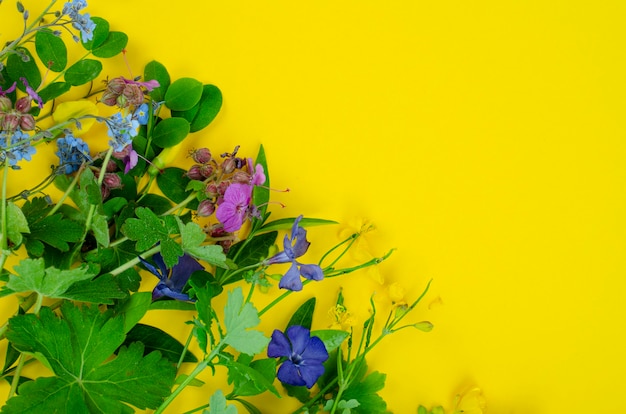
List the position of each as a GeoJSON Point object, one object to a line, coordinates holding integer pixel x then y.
{"type": "Point", "coordinates": [104, 190]}
{"type": "Point", "coordinates": [133, 94]}
{"type": "Point", "coordinates": [228, 165]}
{"type": "Point", "coordinates": [5, 104]}
{"type": "Point", "coordinates": [194, 172]}
{"type": "Point", "coordinates": [116, 86]}
{"type": "Point", "coordinates": [205, 208]}
{"type": "Point", "coordinates": [206, 170]}
{"type": "Point", "coordinates": [10, 122]}
{"type": "Point", "coordinates": [27, 122]}
{"type": "Point", "coordinates": [222, 186]}
{"type": "Point", "coordinates": [23, 104]}
{"type": "Point", "coordinates": [109, 98]}
{"type": "Point", "coordinates": [211, 190]}
{"type": "Point", "coordinates": [241, 177]}
{"type": "Point", "coordinates": [111, 166]}
{"type": "Point", "coordinates": [112, 181]}
{"type": "Point", "coordinates": [201, 156]}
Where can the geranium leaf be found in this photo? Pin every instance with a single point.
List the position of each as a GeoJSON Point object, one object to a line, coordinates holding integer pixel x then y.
{"type": "Point", "coordinates": [79, 348]}
{"type": "Point", "coordinates": [31, 275]}
{"type": "Point", "coordinates": [238, 319]}
{"type": "Point", "coordinates": [193, 239]}
{"type": "Point", "coordinates": [217, 404]}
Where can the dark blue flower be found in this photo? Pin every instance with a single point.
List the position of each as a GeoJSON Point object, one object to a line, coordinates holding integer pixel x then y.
{"type": "Point", "coordinates": [172, 281]}
{"type": "Point", "coordinates": [72, 153]}
{"type": "Point", "coordinates": [305, 356]}
{"type": "Point", "coordinates": [295, 247]}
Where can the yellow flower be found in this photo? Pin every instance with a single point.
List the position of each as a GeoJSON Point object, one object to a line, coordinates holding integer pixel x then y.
{"type": "Point", "coordinates": [342, 318]}
{"type": "Point", "coordinates": [471, 401]}
{"type": "Point", "coordinates": [360, 251]}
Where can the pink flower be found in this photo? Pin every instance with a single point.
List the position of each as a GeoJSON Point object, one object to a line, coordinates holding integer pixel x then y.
{"type": "Point", "coordinates": [233, 210]}
{"type": "Point", "coordinates": [258, 177]}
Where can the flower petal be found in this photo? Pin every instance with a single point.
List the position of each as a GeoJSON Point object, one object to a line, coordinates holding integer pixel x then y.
{"type": "Point", "coordinates": [301, 244]}
{"type": "Point", "coordinates": [291, 279]}
{"type": "Point", "coordinates": [182, 271]}
{"type": "Point", "coordinates": [315, 351]}
{"type": "Point", "coordinates": [299, 337]}
{"type": "Point", "coordinates": [311, 272]}
{"type": "Point", "coordinates": [311, 373]}
{"type": "Point", "coordinates": [290, 374]}
{"type": "Point", "coordinates": [279, 345]}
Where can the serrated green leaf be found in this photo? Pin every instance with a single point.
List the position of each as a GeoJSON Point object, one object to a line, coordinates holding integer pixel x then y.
{"type": "Point", "coordinates": [158, 204]}
{"type": "Point", "coordinates": [83, 71]}
{"type": "Point", "coordinates": [79, 347]}
{"type": "Point", "coordinates": [170, 132]}
{"type": "Point", "coordinates": [217, 405]}
{"type": "Point", "coordinates": [183, 94]}
{"type": "Point", "coordinates": [113, 45]}
{"type": "Point", "coordinates": [304, 315]}
{"type": "Point", "coordinates": [22, 65]}
{"type": "Point", "coordinates": [56, 231]}
{"type": "Point", "coordinates": [155, 339]}
{"type": "Point", "coordinates": [100, 228]}
{"type": "Point", "coordinates": [32, 276]}
{"type": "Point", "coordinates": [287, 223]}
{"type": "Point", "coordinates": [193, 238]}
{"type": "Point", "coordinates": [16, 223]}
{"type": "Point", "coordinates": [101, 290]}
{"type": "Point", "coordinates": [238, 319]}
{"type": "Point", "coordinates": [252, 378]}
{"type": "Point", "coordinates": [365, 392]}
{"type": "Point", "coordinates": [51, 50]}
{"type": "Point", "coordinates": [155, 70]}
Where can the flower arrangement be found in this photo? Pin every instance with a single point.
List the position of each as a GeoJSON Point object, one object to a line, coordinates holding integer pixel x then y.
{"type": "Point", "coordinates": [125, 217]}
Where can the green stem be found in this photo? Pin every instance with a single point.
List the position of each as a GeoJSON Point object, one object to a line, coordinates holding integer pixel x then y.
{"type": "Point", "coordinates": [131, 263]}
{"type": "Point", "coordinates": [4, 242]}
{"type": "Point", "coordinates": [67, 192]}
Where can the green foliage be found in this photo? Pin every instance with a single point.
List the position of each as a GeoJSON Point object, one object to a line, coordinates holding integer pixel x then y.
{"type": "Point", "coordinates": [22, 64]}
{"type": "Point", "coordinates": [78, 348]}
{"type": "Point", "coordinates": [247, 253]}
{"type": "Point", "coordinates": [304, 315]}
{"type": "Point", "coordinates": [54, 90]}
{"type": "Point", "coordinates": [32, 275]}
{"type": "Point", "coordinates": [83, 71]}
{"type": "Point", "coordinates": [287, 223]}
{"type": "Point", "coordinates": [156, 71]}
{"type": "Point", "coordinates": [238, 319]}
{"type": "Point", "coordinates": [364, 390]}
{"type": "Point", "coordinates": [100, 33]}
{"type": "Point", "coordinates": [112, 45]}
{"type": "Point", "coordinates": [51, 50]}
{"type": "Point", "coordinates": [170, 132]}
{"type": "Point", "coordinates": [155, 339]}
{"type": "Point", "coordinates": [203, 113]}
{"type": "Point", "coordinates": [183, 94]}
{"type": "Point", "coordinates": [251, 377]}
{"type": "Point", "coordinates": [217, 405]}
{"type": "Point", "coordinates": [193, 243]}
{"type": "Point", "coordinates": [16, 224]}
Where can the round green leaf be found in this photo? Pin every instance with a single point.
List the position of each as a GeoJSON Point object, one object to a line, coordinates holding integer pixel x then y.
{"type": "Point", "coordinates": [172, 182]}
{"type": "Point", "coordinates": [83, 71]}
{"type": "Point", "coordinates": [100, 33]}
{"type": "Point", "coordinates": [183, 94]}
{"type": "Point", "coordinates": [155, 70]}
{"type": "Point", "coordinates": [113, 45]}
{"type": "Point", "coordinates": [170, 132]}
{"type": "Point", "coordinates": [51, 50]}
{"type": "Point", "coordinates": [54, 90]}
{"type": "Point", "coordinates": [201, 115]}
{"type": "Point", "coordinates": [22, 65]}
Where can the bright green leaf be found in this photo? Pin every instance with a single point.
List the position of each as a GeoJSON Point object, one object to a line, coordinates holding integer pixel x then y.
{"type": "Point", "coordinates": [217, 405]}
{"type": "Point", "coordinates": [51, 50]}
{"type": "Point", "coordinates": [169, 132]}
{"type": "Point", "coordinates": [16, 223]}
{"type": "Point", "coordinates": [203, 113]}
{"type": "Point", "coordinates": [134, 308]}
{"type": "Point", "coordinates": [155, 70]}
{"type": "Point", "coordinates": [54, 90]}
{"type": "Point", "coordinates": [100, 33]}
{"type": "Point", "coordinates": [332, 338]}
{"type": "Point", "coordinates": [22, 65]}
{"type": "Point", "coordinates": [31, 275]}
{"type": "Point", "coordinates": [238, 319]}
{"type": "Point", "coordinates": [287, 223]}
{"type": "Point", "coordinates": [193, 238]}
{"type": "Point", "coordinates": [113, 45]}
{"type": "Point", "coordinates": [83, 71]}
{"type": "Point", "coordinates": [183, 94]}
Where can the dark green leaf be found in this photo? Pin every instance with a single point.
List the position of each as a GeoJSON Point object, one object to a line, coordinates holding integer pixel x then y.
{"type": "Point", "coordinates": [158, 204]}
{"type": "Point", "coordinates": [332, 338]}
{"type": "Point", "coordinates": [83, 71]}
{"type": "Point", "coordinates": [170, 131]}
{"type": "Point", "coordinates": [172, 182]}
{"type": "Point", "coordinates": [183, 94]}
{"type": "Point", "coordinates": [113, 45]}
{"type": "Point", "coordinates": [365, 392]}
{"type": "Point", "coordinates": [154, 339]}
{"type": "Point", "coordinates": [202, 113]}
{"type": "Point", "coordinates": [54, 90]}
{"type": "Point", "coordinates": [304, 315]}
{"type": "Point", "coordinates": [78, 348]}
{"type": "Point", "coordinates": [102, 290]}
{"type": "Point", "coordinates": [100, 33]}
{"type": "Point", "coordinates": [55, 231]}
{"type": "Point", "coordinates": [22, 65]}
{"type": "Point", "coordinates": [156, 70]}
{"type": "Point", "coordinates": [51, 50]}
{"type": "Point", "coordinates": [252, 378]}
{"type": "Point", "coordinates": [172, 305]}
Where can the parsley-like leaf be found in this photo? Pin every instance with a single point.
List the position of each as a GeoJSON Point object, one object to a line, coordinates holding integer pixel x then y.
{"type": "Point", "coordinates": [78, 348]}
{"type": "Point", "coordinates": [51, 282]}
{"type": "Point", "coordinates": [238, 318]}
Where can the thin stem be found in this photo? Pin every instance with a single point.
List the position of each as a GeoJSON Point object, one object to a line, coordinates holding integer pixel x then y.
{"type": "Point", "coordinates": [4, 242]}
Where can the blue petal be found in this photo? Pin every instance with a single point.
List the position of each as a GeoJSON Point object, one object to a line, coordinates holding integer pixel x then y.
{"type": "Point", "coordinates": [315, 351]}
{"type": "Point", "coordinates": [311, 373]}
{"type": "Point", "coordinates": [299, 338]}
{"type": "Point", "coordinates": [152, 269]}
{"type": "Point", "coordinates": [301, 245]}
{"type": "Point", "coordinates": [311, 272]}
{"type": "Point", "coordinates": [158, 259]}
{"type": "Point", "coordinates": [279, 345]}
{"type": "Point", "coordinates": [291, 280]}
{"type": "Point", "coordinates": [295, 226]}
{"type": "Point", "coordinates": [182, 271]}
{"type": "Point", "coordinates": [289, 374]}
{"type": "Point", "coordinates": [163, 290]}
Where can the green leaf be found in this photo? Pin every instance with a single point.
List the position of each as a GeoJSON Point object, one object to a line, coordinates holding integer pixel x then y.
{"type": "Point", "coordinates": [154, 339]}
{"type": "Point", "coordinates": [193, 238]}
{"type": "Point", "coordinates": [304, 315]}
{"type": "Point", "coordinates": [51, 50]}
{"type": "Point", "coordinates": [217, 405]}
{"type": "Point", "coordinates": [100, 33]}
{"type": "Point", "coordinates": [112, 46]}
{"type": "Point", "coordinates": [172, 182]}
{"type": "Point", "coordinates": [365, 392]}
{"type": "Point", "coordinates": [54, 90]}
{"type": "Point", "coordinates": [261, 194]}
{"type": "Point", "coordinates": [169, 132]}
{"type": "Point", "coordinates": [158, 204]}
{"type": "Point", "coordinates": [56, 231]}
{"type": "Point", "coordinates": [148, 230]}
{"type": "Point", "coordinates": [155, 70]}
{"type": "Point", "coordinates": [172, 305]}
{"type": "Point", "coordinates": [203, 113]}
{"type": "Point", "coordinates": [238, 319]}
{"type": "Point", "coordinates": [83, 71]}
{"type": "Point", "coordinates": [79, 348]}
{"type": "Point", "coordinates": [31, 275]}
{"type": "Point", "coordinates": [183, 94]}
{"type": "Point", "coordinates": [22, 65]}
{"type": "Point", "coordinates": [100, 228]}
{"type": "Point", "coordinates": [101, 290]}
{"type": "Point", "coordinates": [332, 338]}
{"type": "Point", "coordinates": [287, 223]}
{"type": "Point", "coordinates": [134, 308]}
{"type": "Point", "coordinates": [16, 223]}
{"type": "Point", "coordinates": [252, 378]}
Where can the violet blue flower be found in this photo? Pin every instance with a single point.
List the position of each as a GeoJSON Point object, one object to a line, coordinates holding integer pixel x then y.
{"type": "Point", "coordinates": [295, 247]}
{"type": "Point", "coordinates": [174, 280]}
{"type": "Point", "coordinates": [234, 207]}
{"type": "Point", "coordinates": [305, 356]}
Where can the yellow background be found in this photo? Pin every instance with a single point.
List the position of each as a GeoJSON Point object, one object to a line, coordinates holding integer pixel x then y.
{"type": "Point", "coordinates": [484, 139]}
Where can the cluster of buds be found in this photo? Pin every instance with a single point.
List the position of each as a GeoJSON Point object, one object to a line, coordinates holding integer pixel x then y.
{"type": "Point", "coordinates": [18, 117]}
{"type": "Point", "coordinates": [124, 92]}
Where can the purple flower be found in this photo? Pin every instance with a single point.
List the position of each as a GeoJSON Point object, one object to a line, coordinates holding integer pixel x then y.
{"type": "Point", "coordinates": [9, 90]}
{"type": "Point", "coordinates": [172, 281]}
{"type": "Point", "coordinates": [295, 247]}
{"type": "Point", "coordinates": [234, 207]}
{"type": "Point", "coordinates": [258, 176]}
{"type": "Point", "coordinates": [31, 93]}
{"type": "Point", "coordinates": [305, 356]}
{"type": "Point", "coordinates": [131, 159]}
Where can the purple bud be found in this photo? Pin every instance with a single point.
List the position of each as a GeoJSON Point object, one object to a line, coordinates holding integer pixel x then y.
{"type": "Point", "coordinates": [194, 172]}
{"type": "Point", "coordinates": [228, 165]}
{"type": "Point", "coordinates": [206, 208]}
{"type": "Point", "coordinates": [201, 156]}
{"type": "Point", "coordinates": [27, 122]}
{"type": "Point", "coordinates": [112, 181]}
{"type": "Point", "coordinates": [206, 170]}
{"type": "Point", "coordinates": [23, 104]}
{"type": "Point", "coordinates": [10, 122]}
{"type": "Point", "coordinates": [133, 94]}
